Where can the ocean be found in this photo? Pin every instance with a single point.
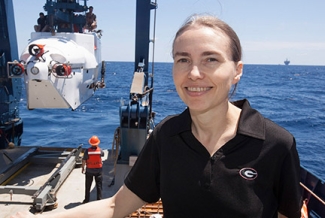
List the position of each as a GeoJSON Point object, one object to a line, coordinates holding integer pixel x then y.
{"type": "Point", "coordinates": [291, 96]}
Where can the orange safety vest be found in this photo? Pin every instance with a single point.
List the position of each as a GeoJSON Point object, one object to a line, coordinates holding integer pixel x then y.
{"type": "Point", "coordinates": [94, 158]}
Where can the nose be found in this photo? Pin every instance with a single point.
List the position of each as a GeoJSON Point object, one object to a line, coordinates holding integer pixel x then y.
{"type": "Point", "coordinates": [195, 73]}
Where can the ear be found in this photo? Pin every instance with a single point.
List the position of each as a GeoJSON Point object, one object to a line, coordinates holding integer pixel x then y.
{"type": "Point", "coordinates": [239, 72]}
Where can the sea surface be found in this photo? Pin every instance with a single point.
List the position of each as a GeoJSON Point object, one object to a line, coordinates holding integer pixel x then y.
{"type": "Point", "coordinates": [292, 96]}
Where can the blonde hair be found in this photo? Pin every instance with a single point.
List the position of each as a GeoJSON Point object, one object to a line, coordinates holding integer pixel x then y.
{"type": "Point", "coordinates": [217, 24]}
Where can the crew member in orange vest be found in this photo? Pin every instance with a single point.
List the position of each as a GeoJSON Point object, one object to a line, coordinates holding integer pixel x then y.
{"type": "Point", "coordinates": [92, 159]}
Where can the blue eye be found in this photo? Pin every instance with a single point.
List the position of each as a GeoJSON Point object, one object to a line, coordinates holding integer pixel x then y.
{"type": "Point", "coordinates": [182, 60]}
{"type": "Point", "coordinates": [211, 59]}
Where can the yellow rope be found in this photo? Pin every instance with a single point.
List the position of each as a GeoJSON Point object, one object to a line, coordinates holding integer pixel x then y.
{"type": "Point", "coordinates": [15, 174]}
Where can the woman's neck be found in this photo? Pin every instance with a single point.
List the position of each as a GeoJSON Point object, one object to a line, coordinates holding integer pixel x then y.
{"type": "Point", "coordinates": [216, 127]}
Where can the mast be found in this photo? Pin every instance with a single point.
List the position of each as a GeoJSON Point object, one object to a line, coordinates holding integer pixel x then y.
{"type": "Point", "coordinates": [136, 116]}
{"type": "Point", "coordinates": [11, 125]}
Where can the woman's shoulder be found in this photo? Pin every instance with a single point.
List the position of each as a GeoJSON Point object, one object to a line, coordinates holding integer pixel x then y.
{"type": "Point", "coordinates": [175, 123]}
{"type": "Point", "coordinates": [276, 131]}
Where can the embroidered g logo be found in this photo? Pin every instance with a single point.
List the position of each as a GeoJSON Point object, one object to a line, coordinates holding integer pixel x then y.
{"type": "Point", "coordinates": [248, 173]}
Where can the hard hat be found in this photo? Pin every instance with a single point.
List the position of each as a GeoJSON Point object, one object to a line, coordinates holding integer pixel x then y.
{"type": "Point", "coordinates": [94, 140]}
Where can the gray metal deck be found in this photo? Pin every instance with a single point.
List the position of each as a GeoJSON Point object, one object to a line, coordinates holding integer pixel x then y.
{"type": "Point", "coordinates": [34, 175]}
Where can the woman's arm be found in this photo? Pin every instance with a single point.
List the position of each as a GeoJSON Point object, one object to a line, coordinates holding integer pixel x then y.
{"type": "Point", "coordinates": [123, 203]}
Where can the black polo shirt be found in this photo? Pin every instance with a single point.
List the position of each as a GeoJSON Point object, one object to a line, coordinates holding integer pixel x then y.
{"type": "Point", "coordinates": [255, 174]}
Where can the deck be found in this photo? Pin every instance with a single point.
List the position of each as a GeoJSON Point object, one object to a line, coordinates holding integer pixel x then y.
{"type": "Point", "coordinates": [71, 193]}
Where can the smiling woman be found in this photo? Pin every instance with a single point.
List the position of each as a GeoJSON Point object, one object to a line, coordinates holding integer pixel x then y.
{"type": "Point", "coordinates": [201, 54]}
{"type": "Point", "coordinates": [207, 62]}
{"type": "Point", "coordinates": [224, 153]}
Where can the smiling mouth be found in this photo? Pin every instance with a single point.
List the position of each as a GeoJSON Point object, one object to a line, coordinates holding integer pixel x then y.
{"type": "Point", "coordinates": [198, 89]}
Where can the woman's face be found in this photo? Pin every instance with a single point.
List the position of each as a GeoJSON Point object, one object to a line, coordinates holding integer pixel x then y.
{"type": "Point", "coordinates": [203, 71]}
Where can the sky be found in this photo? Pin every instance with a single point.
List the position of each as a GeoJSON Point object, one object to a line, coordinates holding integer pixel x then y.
{"type": "Point", "coordinates": [270, 31]}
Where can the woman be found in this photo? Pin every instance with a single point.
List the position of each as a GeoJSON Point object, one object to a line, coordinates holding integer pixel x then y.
{"type": "Point", "coordinates": [217, 158]}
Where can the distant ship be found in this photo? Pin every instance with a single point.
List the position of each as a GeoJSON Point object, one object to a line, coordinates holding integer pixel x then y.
{"type": "Point", "coordinates": [287, 62]}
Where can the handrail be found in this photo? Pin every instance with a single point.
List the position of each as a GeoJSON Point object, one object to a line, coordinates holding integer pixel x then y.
{"type": "Point", "coordinates": [312, 193]}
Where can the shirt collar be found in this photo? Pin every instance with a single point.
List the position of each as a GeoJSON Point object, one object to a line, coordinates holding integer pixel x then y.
{"type": "Point", "coordinates": [251, 122]}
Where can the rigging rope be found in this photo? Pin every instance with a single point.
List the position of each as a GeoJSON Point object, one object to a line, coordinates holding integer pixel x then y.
{"type": "Point", "coordinates": [116, 144]}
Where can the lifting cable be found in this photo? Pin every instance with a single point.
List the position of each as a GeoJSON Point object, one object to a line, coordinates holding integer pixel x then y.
{"type": "Point", "coordinates": [153, 58]}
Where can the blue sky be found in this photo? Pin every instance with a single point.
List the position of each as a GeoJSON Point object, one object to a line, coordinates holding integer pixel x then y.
{"type": "Point", "coordinates": [270, 31]}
